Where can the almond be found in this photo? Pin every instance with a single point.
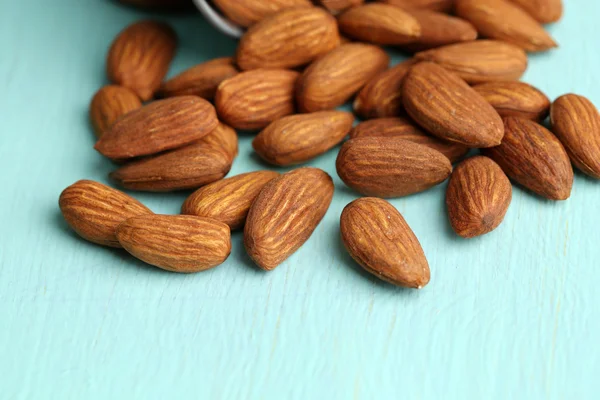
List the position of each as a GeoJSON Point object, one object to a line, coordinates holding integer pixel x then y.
{"type": "Point", "coordinates": [299, 138]}
{"type": "Point", "coordinates": [332, 79]}
{"type": "Point", "coordinates": [576, 122]}
{"type": "Point", "coordinates": [176, 243]}
{"type": "Point", "coordinates": [288, 39]}
{"type": "Point", "coordinates": [382, 96]}
{"type": "Point", "coordinates": [228, 200]}
{"type": "Point", "coordinates": [544, 11]}
{"type": "Point", "coordinates": [404, 129]}
{"type": "Point", "coordinates": [95, 211]}
{"type": "Point", "coordinates": [439, 29]}
{"type": "Point", "coordinates": [335, 6]}
{"type": "Point", "coordinates": [201, 80]}
{"type": "Point", "coordinates": [448, 108]}
{"type": "Point", "coordinates": [480, 61]}
{"type": "Point", "coordinates": [139, 57]}
{"type": "Point", "coordinates": [159, 126]}
{"type": "Point", "coordinates": [380, 24]}
{"type": "Point", "coordinates": [379, 239]}
{"type": "Point", "coordinates": [253, 99]}
{"type": "Point", "coordinates": [109, 104]}
{"type": "Point", "coordinates": [515, 99]}
{"type": "Point", "coordinates": [533, 157]}
{"type": "Point", "coordinates": [503, 20]}
{"type": "Point", "coordinates": [478, 197]}
{"type": "Point", "coordinates": [390, 167]}
{"type": "Point", "coordinates": [248, 12]}
{"type": "Point", "coordinates": [434, 5]}
{"type": "Point", "coordinates": [285, 214]}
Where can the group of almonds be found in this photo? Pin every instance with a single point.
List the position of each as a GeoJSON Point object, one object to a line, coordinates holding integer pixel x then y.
{"type": "Point", "coordinates": [291, 70]}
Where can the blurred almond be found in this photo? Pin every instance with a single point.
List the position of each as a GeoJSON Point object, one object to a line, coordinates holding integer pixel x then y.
{"type": "Point", "coordinates": [515, 99]}
{"type": "Point", "coordinates": [109, 104]}
{"type": "Point", "coordinates": [434, 5]}
{"type": "Point", "coordinates": [335, 6]}
{"type": "Point", "coordinates": [438, 29]}
{"type": "Point", "coordinates": [248, 12]}
{"type": "Point", "coordinates": [544, 11]}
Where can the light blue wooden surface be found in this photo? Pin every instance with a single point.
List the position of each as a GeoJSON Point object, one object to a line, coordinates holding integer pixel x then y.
{"type": "Point", "coordinates": [514, 314]}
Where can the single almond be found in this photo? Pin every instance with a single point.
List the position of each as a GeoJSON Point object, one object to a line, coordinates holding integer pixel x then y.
{"type": "Point", "coordinates": [576, 122]}
{"type": "Point", "coordinates": [382, 96]}
{"type": "Point", "coordinates": [480, 61]}
{"type": "Point", "coordinates": [201, 80]}
{"type": "Point", "coordinates": [379, 239]}
{"type": "Point", "coordinates": [176, 243]}
{"type": "Point", "coordinates": [438, 29]}
{"type": "Point", "coordinates": [335, 6]}
{"type": "Point", "coordinates": [285, 214]}
{"type": "Point", "coordinates": [544, 11]}
{"type": "Point", "coordinates": [109, 104]}
{"type": "Point", "coordinates": [248, 12]}
{"type": "Point", "coordinates": [390, 166]}
{"type": "Point", "coordinates": [503, 20]}
{"type": "Point", "coordinates": [515, 99]}
{"type": "Point", "coordinates": [448, 108]}
{"type": "Point", "coordinates": [95, 211]}
{"type": "Point", "coordinates": [228, 200]}
{"type": "Point", "coordinates": [288, 39]}
{"type": "Point", "coordinates": [433, 5]}
{"type": "Point", "coordinates": [533, 157]}
{"type": "Point", "coordinates": [159, 126]}
{"type": "Point", "coordinates": [477, 197]}
{"type": "Point", "coordinates": [253, 99]}
{"type": "Point", "coordinates": [380, 24]}
{"type": "Point", "coordinates": [299, 138]}
{"type": "Point", "coordinates": [140, 56]}
{"type": "Point", "coordinates": [332, 79]}
{"type": "Point", "coordinates": [405, 129]}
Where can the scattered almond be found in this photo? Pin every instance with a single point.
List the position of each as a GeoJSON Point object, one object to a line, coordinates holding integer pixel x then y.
{"type": "Point", "coordinates": [544, 11]}
{"type": "Point", "coordinates": [438, 29]}
{"type": "Point", "coordinates": [515, 99]}
{"type": "Point", "coordinates": [248, 12]}
{"type": "Point", "coordinates": [109, 104]}
{"type": "Point", "coordinates": [434, 5]}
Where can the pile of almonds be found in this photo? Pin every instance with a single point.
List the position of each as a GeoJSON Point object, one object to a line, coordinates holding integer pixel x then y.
{"type": "Point", "coordinates": [292, 69]}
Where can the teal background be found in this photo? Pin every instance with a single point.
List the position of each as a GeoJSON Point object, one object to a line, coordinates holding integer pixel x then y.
{"type": "Point", "coordinates": [513, 314]}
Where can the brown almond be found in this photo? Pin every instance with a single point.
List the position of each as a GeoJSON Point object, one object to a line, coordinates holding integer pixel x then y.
{"type": "Point", "coordinates": [380, 24]}
{"type": "Point", "coordinates": [299, 138]}
{"type": "Point", "coordinates": [285, 214]}
{"type": "Point", "coordinates": [288, 39]}
{"type": "Point", "coordinates": [140, 56]}
{"type": "Point", "coordinates": [95, 211]}
{"type": "Point", "coordinates": [402, 128]}
{"type": "Point", "coordinates": [438, 29]}
{"type": "Point", "coordinates": [382, 96]}
{"type": "Point", "coordinates": [201, 80]}
{"type": "Point", "coordinates": [379, 239]}
{"type": "Point", "coordinates": [390, 167]}
{"type": "Point", "coordinates": [332, 79]}
{"type": "Point", "coordinates": [544, 11]}
{"type": "Point", "coordinates": [176, 243]}
{"type": "Point", "coordinates": [433, 5]}
{"type": "Point", "coordinates": [253, 99]}
{"type": "Point", "coordinates": [480, 61]}
{"type": "Point", "coordinates": [228, 200]}
{"type": "Point", "coordinates": [109, 104]}
{"type": "Point", "coordinates": [478, 197]}
{"type": "Point", "coordinates": [335, 6]}
{"type": "Point", "coordinates": [515, 99]}
{"type": "Point", "coordinates": [576, 122]}
{"type": "Point", "coordinates": [533, 157]}
{"type": "Point", "coordinates": [448, 108]}
{"type": "Point", "coordinates": [159, 126]}
{"type": "Point", "coordinates": [503, 20]}
{"type": "Point", "coordinates": [248, 12]}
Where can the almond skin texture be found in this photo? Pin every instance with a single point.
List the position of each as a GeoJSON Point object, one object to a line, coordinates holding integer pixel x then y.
{"type": "Point", "coordinates": [285, 214]}
{"type": "Point", "coordinates": [404, 129]}
{"type": "Point", "coordinates": [433, 5]}
{"type": "Point", "coordinates": [95, 211]}
{"type": "Point", "coordinates": [332, 79]}
{"type": "Point", "coordinates": [576, 122]}
{"type": "Point", "coordinates": [439, 29]}
{"type": "Point", "coordinates": [382, 96]}
{"type": "Point", "coordinates": [503, 20]}
{"type": "Point", "coordinates": [533, 157]}
{"type": "Point", "coordinates": [335, 6]}
{"type": "Point", "coordinates": [201, 80]}
{"type": "Point", "coordinates": [248, 12]}
{"type": "Point", "coordinates": [253, 99]}
{"type": "Point", "coordinates": [299, 138]}
{"type": "Point", "coordinates": [448, 108]}
{"type": "Point", "coordinates": [176, 243]}
{"type": "Point", "coordinates": [288, 39]}
{"type": "Point", "coordinates": [139, 57]}
{"type": "Point", "coordinates": [159, 126]}
{"type": "Point", "coordinates": [379, 239]}
{"type": "Point", "coordinates": [478, 197]}
{"type": "Point", "coordinates": [109, 104]}
{"type": "Point", "coordinates": [515, 99]}
{"type": "Point", "coordinates": [480, 61]}
{"type": "Point", "coordinates": [228, 200]}
{"type": "Point", "coordinates": [544, 11]}
{"type": "Point", "coordinates": [390, 167]}
{"type": "Point", "coordinates": [380, 24]}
